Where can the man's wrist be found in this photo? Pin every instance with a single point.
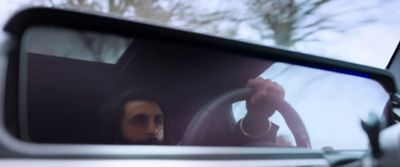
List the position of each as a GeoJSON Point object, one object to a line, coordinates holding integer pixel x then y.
{"type": "Point", "coordinates": [253, 135]}
{"type": "Point", "coordinates": [256, 116]}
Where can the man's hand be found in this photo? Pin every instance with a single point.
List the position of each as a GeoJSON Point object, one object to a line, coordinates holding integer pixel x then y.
{"type": "Point", "coordinates": [266, 98]}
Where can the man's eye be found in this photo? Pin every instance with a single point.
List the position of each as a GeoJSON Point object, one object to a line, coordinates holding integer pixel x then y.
{"type": "Point", "coordinates": [138, 120]}
{"type": "Point", "coordinates": [158, 120]}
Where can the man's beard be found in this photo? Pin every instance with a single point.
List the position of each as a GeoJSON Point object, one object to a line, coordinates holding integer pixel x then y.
{"type": "Point", "coordinates": [148, 141]}
{"type": "Point", "coordinates": [151, 141]}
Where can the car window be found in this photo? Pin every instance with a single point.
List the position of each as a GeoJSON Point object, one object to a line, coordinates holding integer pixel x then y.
{"type": "Point", "coordinates": [82, 46]}
{"type": "Point", "coordinates": [166, 92]}
{"type": "Point", "coordinates": [331, 105]}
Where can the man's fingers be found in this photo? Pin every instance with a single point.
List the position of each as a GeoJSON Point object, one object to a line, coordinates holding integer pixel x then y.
{"type": "Point", "coordinates": [258, 83]}
{"type": "Point", "coordinates": [264, 89]}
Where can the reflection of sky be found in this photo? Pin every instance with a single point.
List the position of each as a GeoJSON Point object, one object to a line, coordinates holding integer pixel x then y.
{"type": "Point", "coordinates": [369, 44]}
{"type": "Point", "coordinates": [330, 104]}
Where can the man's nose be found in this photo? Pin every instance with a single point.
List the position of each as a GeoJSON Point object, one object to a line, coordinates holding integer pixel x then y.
{"type": "Point", "coordinates": [152, 129]}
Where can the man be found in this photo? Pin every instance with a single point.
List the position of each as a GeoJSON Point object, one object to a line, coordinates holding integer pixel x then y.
{"type": "Point", "coordinates": [133, 118]}
{"type": "Point", "coordinates": [140, 120]}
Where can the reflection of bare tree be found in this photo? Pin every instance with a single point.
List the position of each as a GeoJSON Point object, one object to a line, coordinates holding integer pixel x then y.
{"type": "Point", "coordinates": [148, 9]}
{"type": "Point", "coordinates": [283, 18]}
{"type": "Point", "coordinates": [285, 22]}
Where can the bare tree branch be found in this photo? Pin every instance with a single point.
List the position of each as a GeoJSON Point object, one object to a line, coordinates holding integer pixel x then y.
{"type": "Point", "coordinates": [314, 6]}
{"type": "Point", "coordinates": [309, 33]}
{"type": "Point", "coordinates": [318, 22]}
{"type": "Point", "coordinates": [279, 20]}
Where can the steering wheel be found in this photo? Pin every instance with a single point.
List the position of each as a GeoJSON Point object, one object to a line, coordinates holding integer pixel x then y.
{"type": "Point", "coordinates": [195, 133]}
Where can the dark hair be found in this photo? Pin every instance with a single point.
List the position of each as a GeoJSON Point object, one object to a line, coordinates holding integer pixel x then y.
{"type": "Point", "coordinates": [112, 113]}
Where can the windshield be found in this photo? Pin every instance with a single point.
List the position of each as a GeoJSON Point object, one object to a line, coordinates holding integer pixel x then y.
{"type": "Point", "coordinates": [165, 92]}
{"type": "Point", "coordinates": [364, 32]}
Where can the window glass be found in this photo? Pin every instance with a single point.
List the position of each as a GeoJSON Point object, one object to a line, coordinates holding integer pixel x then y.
{"type": "Point", "coordinates": [330, 104]}
{"type": "Point", "coordinates": [166, 92]}
{"type": "Point", "coordinates": [81, 45]}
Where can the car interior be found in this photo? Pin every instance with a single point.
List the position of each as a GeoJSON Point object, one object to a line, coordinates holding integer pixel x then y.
{"type": "Point", "coordinates": [75, 90]}
{"type": "Point", "coordinates": [66, 95]}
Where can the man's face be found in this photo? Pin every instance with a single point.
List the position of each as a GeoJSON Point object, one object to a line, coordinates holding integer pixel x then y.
{"type": "Point", "coordinates": [142, 122]}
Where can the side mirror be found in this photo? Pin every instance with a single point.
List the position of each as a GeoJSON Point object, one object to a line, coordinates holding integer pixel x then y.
{"type": "Point", "coordinates": [68, 66]}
